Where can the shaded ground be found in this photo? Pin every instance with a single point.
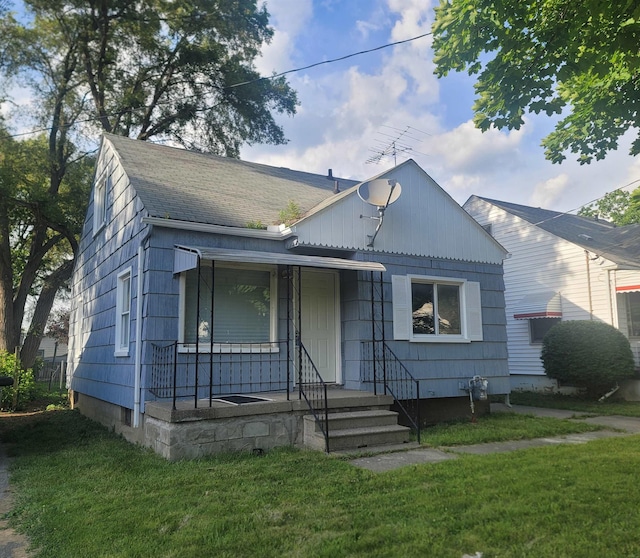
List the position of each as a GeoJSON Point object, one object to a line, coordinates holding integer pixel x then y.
{"type": "Point", "coordinates": [12, 544]}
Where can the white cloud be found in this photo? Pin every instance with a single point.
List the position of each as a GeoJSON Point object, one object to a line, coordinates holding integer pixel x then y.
{"type": "Point", "coordinates": [545, 194]}
{"type": "Point", "coordinates": [468, 149]}
{"type": "Point", "coordinates": [288, 18]}
{"type": "Point", "coordinates": [350, 113]}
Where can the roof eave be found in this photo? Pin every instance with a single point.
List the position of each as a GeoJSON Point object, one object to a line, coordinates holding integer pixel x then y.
{"type": "Point", "coordinates": [218, 229]}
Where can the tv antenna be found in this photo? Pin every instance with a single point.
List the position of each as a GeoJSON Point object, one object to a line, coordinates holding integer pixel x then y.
{"type": "Point", "coordinates": [381, 193]}
{"type": "Point", "coordinates": [394, 144]}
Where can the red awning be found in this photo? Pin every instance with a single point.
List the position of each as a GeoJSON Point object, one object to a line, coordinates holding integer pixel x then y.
{"type": "Point", "coordinates": [539, 305]}
{"type": "Point", "coordinates": [628, 288]}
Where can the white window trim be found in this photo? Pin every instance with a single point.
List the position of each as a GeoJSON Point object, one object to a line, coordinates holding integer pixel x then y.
{"type": "Point", "coordinates": [205, 347]}
{"type": "Point", "coordinates": [122, 350]}
{"type": "Point", "coordinates": [102, 186]}
{"type": "Point", "coordinates": [470, 309]}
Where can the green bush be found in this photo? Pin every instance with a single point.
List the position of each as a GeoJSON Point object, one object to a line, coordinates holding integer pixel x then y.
{"type": "Point", "coordinates": [587, 354]}
{"type": "Point", "coordinates": [17, 396]}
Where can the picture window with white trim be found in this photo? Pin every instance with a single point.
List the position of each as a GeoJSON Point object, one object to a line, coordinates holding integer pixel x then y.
{"type": "Point", "coordinates": [239, 300]}
{"type": "Point", "coordinates": [436, 309]}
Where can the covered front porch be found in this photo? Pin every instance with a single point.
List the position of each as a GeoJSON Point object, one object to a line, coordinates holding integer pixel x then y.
{"type": "Point", "coordinates": [289, 366]}
{"type": "Point", "coordinates": [261, 421]}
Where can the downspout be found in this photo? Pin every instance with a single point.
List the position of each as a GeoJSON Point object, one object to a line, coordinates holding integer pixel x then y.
{"type": "Point", "coordinates": [137, 382]}
{"type": "Point", "coordinates": [586, 256]}
{"type": "Point", "coordinates": [611, 301]}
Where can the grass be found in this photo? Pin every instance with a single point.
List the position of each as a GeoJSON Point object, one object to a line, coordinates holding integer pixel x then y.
{"type": "Point", "coordinates": [500, 427]}
{"type": "Point", "coordinates": [82, 491]}
{"type": "Point", "coordinates": [575, 403]}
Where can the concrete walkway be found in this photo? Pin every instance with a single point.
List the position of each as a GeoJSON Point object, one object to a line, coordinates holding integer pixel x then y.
{"type": "Point", "coordinates": [615, 426]}
{"type": "Point", "coordinates": [12, 544]}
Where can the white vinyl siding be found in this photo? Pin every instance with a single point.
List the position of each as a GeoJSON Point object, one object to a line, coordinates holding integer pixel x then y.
{"type": "Point", "coordinates": [455, 301]}
{"type": "Point", "coordinates": [123, 313]}
{"type": "Point", "coordinates": [543, 262]}
{"type": "Point", "coordinates": [440, 228]}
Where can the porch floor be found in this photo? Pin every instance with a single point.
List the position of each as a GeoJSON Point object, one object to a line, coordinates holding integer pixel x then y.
{"type": "Point", "coordinates": [186, 410]}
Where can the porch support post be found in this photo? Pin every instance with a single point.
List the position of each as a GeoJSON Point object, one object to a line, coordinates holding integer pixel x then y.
{"type": "Point", "coordinates": [211, 336]}
{"type": "Point", "coordinates": [382, 340]}
{"type": "Point", "coordinates": [373, 335]}
{"type": "Point", "coordinates": [195, 393]}
{"type": "Point", "coordinates": [299, 331]}
{"type": "Point", "coordinates": [289, 275]}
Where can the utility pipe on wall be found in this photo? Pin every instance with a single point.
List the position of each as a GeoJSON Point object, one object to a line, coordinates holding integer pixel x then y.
{"type": "Point", "coordinates": [138, 354]}
{"type": "Point", "coordinates": [586, 257]}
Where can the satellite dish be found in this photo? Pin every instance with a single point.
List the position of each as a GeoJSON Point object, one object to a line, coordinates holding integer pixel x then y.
{"type": "Point", "coordinates": [379, 192]}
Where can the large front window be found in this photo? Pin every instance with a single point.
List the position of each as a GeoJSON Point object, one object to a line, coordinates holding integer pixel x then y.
{"type": "Point", "coordinates": [239, 301]}
{"type": "Point", "coordinates": [432, 299]}
{"type": "Point", "coordinates": [429, 309]}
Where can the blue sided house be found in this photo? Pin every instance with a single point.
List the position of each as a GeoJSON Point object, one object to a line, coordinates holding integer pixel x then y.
{"type": "Point", "coordinates": [222, 305]}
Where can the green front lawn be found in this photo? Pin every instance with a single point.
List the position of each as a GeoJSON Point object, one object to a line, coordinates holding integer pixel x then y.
{"type": "Point", "coordinates": [574, 403]}
{"type": "Point", "coordinates": [500, 427]}
{"type": "Point", "coordinates": [81, 491]}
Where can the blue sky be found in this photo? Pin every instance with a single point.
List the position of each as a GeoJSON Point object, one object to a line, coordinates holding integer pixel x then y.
{"type": "Point", "coordinates": [351, 109]}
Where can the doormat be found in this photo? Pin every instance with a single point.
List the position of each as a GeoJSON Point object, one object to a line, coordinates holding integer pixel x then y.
{"type": "Point", "coordinates": [240, 399]}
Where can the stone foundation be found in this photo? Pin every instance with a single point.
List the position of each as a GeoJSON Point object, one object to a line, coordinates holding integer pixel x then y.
{"type": "Point", "coordinates": [114, 417]}
{"type": "Point", "coordinates": [192, 439]}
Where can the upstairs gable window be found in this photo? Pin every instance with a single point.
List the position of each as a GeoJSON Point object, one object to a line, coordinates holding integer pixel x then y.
{"type": "Point", "coordinates": [103, 185]}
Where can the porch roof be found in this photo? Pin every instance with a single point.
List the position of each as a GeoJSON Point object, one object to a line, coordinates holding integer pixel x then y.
{"type": "Point", "coordinates": [186, 257]}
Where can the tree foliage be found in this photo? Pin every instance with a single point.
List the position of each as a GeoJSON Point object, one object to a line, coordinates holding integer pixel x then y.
{"type": "Point", "coordinates": [40, 220]}
{"type": "Point", "coordinates": [588, 354]}
{"type": "Point", "coordinates": [616, 207]}
{"type": "Point", "coordinates": [168, 68]}
{"type": "Point", "coordinates": [58, 326]}
{"type": "Point", "coordinates": [180, 70]}
{"type": "Point", "coordinates": [574, 58]}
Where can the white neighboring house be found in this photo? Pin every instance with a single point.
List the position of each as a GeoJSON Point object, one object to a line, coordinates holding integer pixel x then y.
{"type": "Point", "coordinates": [47, 350]}
{"type": "Point", "coordinates": [562, 267]}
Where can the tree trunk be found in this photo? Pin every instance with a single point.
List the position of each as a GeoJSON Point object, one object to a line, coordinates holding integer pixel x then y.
{"type": "Point", "coordinates": [41, 314]}
{"type": "Point", "coordinates": [8, 337]}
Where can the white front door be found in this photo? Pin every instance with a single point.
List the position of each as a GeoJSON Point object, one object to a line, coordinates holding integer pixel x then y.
{"type": "Point", "coordinates": [320, 327]}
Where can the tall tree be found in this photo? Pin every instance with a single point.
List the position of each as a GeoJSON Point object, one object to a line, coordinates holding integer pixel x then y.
{"type": "Point", "coordinates": [38, 230]}
{"type": "Point", "coordinates": [574, 58]}
{"type": "Point", "coordinates": [614, 207]}
{"type": "Point", "coordinates": [180, 70]}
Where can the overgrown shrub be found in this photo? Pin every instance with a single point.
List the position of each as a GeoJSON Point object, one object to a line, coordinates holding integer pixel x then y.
{"type": "Point", "coordinates": [587, 354]}
{"type": "Point", "coordinates": [15, 397]}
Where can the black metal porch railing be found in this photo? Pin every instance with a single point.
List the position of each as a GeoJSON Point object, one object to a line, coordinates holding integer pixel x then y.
{"type": "Point", "coordinates": [313, 389]}
{"type": "Point", "coordinates": [178, 373]}
{"type": "Point", "coordinates": [382, 369]}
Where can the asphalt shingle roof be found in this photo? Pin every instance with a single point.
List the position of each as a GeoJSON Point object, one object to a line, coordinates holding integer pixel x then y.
{"type": "Point", "coordinates": [618, 244]}
{"type": "Point", "coordinates": [203, 188]}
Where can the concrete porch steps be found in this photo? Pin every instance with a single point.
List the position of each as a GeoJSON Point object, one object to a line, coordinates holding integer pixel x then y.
{"type": "Point", "coordinates": [357, 430]}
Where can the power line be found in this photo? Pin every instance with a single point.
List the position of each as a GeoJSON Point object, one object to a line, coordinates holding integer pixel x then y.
{"type": "Point", "coordinates": [333, 60]}
{"type": "Point", "coordinates": [241, 84]}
